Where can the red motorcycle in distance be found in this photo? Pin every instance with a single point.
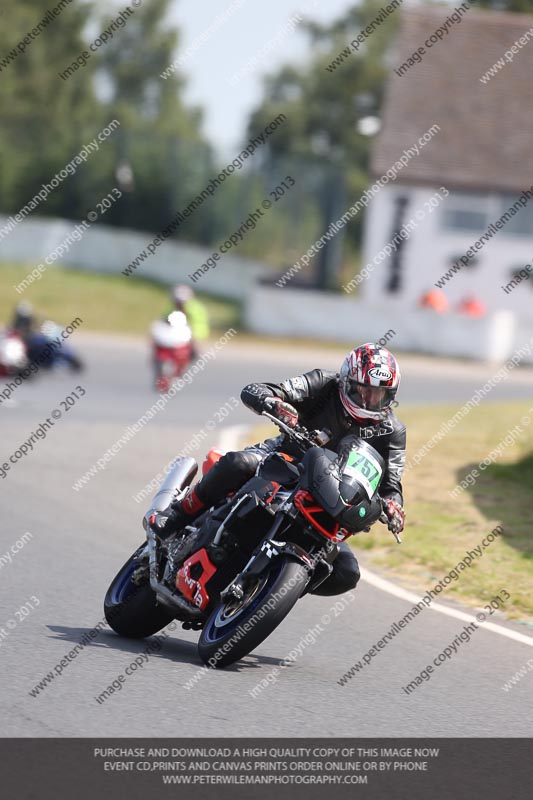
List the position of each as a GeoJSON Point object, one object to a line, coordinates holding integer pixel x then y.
{"type": "Point", "coordinates": [13, 357]}
{"type": "Point", "coordinates": [171, 348]}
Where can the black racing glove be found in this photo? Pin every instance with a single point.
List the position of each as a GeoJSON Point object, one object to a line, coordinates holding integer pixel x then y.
{"type": "Point", "coordinates": [282, 411]}
{"type": "Point", "coordinates": [392, 515]}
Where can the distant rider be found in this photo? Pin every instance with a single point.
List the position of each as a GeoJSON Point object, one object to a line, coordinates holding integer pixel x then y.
{"type": "Point", "coordinates": [27, 325]}
{"type": "Point", "coordinates": [184, 299]}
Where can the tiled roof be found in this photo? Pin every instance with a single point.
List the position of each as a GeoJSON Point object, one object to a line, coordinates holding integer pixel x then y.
{"type": "Point", "coordinates": [486, 136]}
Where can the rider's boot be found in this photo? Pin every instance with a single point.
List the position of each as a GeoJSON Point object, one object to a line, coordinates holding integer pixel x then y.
{"type": "Point", "coordinates": [178, 514]}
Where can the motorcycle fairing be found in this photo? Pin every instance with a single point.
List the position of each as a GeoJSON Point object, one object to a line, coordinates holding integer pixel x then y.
{"type": "Point", "coordinates": [275, 467]}
{"type": "Point", "coordinates": [339, 483]}
{"type": "Point", "coordinates": [192, 577]}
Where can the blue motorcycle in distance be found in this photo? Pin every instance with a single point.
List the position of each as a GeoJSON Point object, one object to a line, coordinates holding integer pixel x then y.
{"type": "Point", "coordinates": [50, 350]}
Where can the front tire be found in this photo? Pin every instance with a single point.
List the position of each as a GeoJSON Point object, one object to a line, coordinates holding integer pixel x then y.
{"type": "Point", "coordinates": [131, 609]}
{"type": "Point", "coordinates": [163, 373]}
{"type": "Point", "coordinates": [226, 627]}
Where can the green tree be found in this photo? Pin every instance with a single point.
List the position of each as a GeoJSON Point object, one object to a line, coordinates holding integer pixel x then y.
{"type": "Point", "coordinates": [159, 136]}
{"type": "Point", "coordinates": [48, 118]}
{"type": "Point", "coordinates": [331, 103]}
{"type": "Point", "coordinates": [326, 107]}
{"type": "Point", "coordinates": [44, 119]}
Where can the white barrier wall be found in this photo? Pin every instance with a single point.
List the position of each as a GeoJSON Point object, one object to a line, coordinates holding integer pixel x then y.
{"type": "Point", "coordinates": [317, 315]}
{"type": "Point", "coordinates": [270, 310]}
{"type": "Point", "coordinates": [107, 249]}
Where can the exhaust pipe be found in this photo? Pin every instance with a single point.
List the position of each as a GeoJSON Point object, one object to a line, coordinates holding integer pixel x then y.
{"type": "Point", "coordinates": [180, 475]}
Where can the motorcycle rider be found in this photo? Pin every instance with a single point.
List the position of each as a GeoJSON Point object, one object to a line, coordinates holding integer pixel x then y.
{"type": "Point", "coordinates": [357, 401]}
{"type": "Point", "coordinates": [24, 320]}
{"type": "Point", "coordinates": [184, 300]}
{"type": "Point", "coordinates": [26, 324]}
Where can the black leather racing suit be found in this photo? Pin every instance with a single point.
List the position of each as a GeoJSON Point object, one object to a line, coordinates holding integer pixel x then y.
{"type": "Point", "coordinates": [315, 395]}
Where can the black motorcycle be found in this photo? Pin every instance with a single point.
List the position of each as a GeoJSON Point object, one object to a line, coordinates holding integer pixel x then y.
{"type": "Point", "coordinates": [238, 569]}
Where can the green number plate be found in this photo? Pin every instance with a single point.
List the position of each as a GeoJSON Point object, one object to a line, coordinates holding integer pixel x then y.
{"type": "Point", "coordinates": [366, 469]}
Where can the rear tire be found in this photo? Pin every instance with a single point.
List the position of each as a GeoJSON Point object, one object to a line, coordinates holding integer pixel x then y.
{"type": "Point", "coordinates": [75, 364]}
{"type": "Point", "coordinates": [132, 609]}
{"type": "Point", "coordinates": [225, 624]}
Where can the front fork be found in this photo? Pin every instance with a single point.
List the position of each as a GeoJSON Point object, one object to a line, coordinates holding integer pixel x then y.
{"type": "Point", "coordinates": [270, 549]}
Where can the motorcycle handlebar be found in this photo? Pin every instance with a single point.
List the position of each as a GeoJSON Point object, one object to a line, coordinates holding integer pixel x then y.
{"type": "Point", "coordinates": [299, 433]}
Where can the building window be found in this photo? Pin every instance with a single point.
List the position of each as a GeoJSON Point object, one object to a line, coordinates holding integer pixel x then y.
{"type": "Point", "coordinates": [465, 212]}
{"type": "Point", "coordinates": [522, 222]}
{"type": "Point", "coordinates": [473, 213]}
{"type": "Point", "coordinates": [464, 219]}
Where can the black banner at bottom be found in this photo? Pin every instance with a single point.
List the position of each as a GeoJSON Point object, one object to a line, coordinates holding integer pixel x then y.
{"type": "Point", "coordinates": [52, 769]}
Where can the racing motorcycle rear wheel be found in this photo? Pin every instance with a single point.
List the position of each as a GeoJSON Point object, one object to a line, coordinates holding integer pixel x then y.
{"type": "Point", "coordinates": [236, 627]}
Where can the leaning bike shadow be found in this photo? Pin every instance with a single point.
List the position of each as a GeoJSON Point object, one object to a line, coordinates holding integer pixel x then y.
{"type": "Point", "coordinates": [173, 648]}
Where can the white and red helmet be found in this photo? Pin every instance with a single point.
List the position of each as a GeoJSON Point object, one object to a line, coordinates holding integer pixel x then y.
{"type": "Point", "coordinates": [368, 382]}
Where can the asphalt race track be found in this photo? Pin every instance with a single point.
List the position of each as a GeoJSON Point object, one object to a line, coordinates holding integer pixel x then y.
{"type": "Point", "coordinates": [81, 538]}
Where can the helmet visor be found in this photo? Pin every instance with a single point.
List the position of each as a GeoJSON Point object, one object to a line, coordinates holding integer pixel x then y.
{"type": "Point", "coordinates": [371, 398]}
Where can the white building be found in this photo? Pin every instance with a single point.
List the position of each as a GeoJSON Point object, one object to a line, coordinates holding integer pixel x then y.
{"type": "Point", "coordinates": [482, 155]}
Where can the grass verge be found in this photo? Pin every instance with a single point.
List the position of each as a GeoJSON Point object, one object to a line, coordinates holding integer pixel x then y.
{"type": "Point", "coordinates": [439, 529]}
{"type": "Point", "coordinates": [106, 303]}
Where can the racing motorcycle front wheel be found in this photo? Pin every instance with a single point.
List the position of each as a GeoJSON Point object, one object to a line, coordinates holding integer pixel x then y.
{"type": "Point", "coordinates": [130, 604]}
{"type": "Point", "coordinates": [236, 627]}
